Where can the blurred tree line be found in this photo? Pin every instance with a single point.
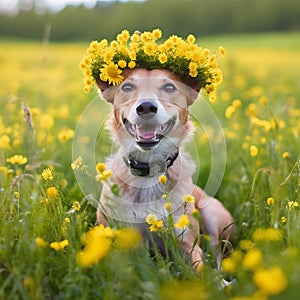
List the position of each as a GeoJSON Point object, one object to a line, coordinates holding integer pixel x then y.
{"type": "Point", "coordinates": [200, 17]}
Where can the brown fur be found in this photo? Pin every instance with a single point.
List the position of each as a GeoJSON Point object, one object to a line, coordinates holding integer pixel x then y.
{"type": "Point", "coordinates": [139, 194]}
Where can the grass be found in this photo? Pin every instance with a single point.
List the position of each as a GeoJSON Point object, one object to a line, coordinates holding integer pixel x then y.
{"type": "Point", "coordinates": [258, 112]}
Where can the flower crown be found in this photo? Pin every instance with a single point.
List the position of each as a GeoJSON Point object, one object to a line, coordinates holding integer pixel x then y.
{"type": "Point", "coordinates": [106, 62]}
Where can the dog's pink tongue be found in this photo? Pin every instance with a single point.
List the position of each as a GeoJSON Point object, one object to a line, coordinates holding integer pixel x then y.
{"type": "Point", "coordinates": [147, 135]}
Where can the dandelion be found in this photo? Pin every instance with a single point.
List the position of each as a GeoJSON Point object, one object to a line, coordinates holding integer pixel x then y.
{"type": "Point", "coordinates": [253, 150]}
{"type": "Point", "coordinates": [252, 259]}
{"type": "Point", "coordinates": [285, 155]}
{"type": "Point", "coordinates": [168, 206]}
{"type": "Point", "coordinates": [182, 222]}
{"type": "Point", "coordinates": [65, 135]}
{"type": "Point", "coordinates": [293, 204]}
{"type": "Point", "coordinates": [188, 198]}
{"type": "Point", "coordinates": [47, 174]}
{"type": "Point", "coordinates": [162, 179]}
{"type": "Point", "coordinates": [76, 206]}
{"type": "Point", "coordinates": [270, 201]}
{"type": "Point", "coordinates": [17, 160]}
{"type": "Point", "coordinates": [155, 224]}
{"type": "Point", "coordinates": [4, 142]}
{"type": "Point", "coordinates": [57, 246]}
{"type": "Point", "coordinates": [127, 238]}
{"type": "Point", "coordinates": [111, 73]}
{"type": "Point", "coordinates": [283, 220]}
{"type": "Point", "coordinates": [51, 192]}
{"type": "Point", "coordinates": [267, 234]}
{"type": "Point", "coordinates": [270, 281]}
{"type": "Point", "coordinates": [41, 243]}
{"type": "Point", "coordinates": [103, 176]}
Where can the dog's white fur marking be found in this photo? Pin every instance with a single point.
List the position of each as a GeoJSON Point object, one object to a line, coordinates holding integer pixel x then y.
{"type": "Point", "coordinates": [150, 122]}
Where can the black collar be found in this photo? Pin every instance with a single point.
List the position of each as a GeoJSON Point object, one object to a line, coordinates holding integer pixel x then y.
{"type": "Point", "coordinates": [142, 169]}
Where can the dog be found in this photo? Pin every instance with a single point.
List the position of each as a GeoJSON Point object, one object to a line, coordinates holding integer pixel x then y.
{"type": "Point", "coordinates": [150, 125]}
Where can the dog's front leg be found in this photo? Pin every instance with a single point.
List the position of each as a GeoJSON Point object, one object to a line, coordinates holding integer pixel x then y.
{"type": "Point", "coordinates": [189, 248]}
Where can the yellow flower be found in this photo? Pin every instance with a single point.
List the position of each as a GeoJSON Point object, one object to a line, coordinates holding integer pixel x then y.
{"type": "Point", "coordinates": [283, 219]}
{"type": "Point", "coordinates": [182, 221]}
{"type": "Point", "coordinates": [191, 39]}
{"type": "Point", "coordinates": [162, 179]}
{"type": "Point", "coordinates": [246, 245]}
{"type": "Point", "coordinates": [111, 73]}
{"type": "Point", "coordinates": [76, 164]}
{"type": "Point", "coordinates": [57, 246]}
{"type": "Point", "coordinates": [270, 281]}
{"type": "Point", "coordinates": [168, 206]}
{"type": "Point", "coordinates": [47, 174]}
{"type": "Point", "coordinates": [222, 51]}
{"type": "Point", "coordinates": [17, 160]}
{"type": "Point", "coordinates": [228, 265]}
{"type": "Point", "coordinates": [285, 155]}
{"type": "Point", "coordinates": [41, 243]}
{"type": "Point", "coordinates": [164, 196]}
{"type": "Point", "coordinates": [127, 238]}
{"type": "Point", "coordinates": [293, 204]}
{"type": "Point", "coordinates": [131, 65]}
{"type": "Point", "coordinates": [122, 64]}
{"type": "Point", "coordinates": [150, 219]}
{"type": "Point", "coordinates": [76, 206]}
{"type": "Point", "coordinates": [253, 150]}
{"type": "Point", "coordinates": [52, 192]}
{"type": "Point", "coordinates": [65, 135]}
{"type": "Point", "coordinates": [252, 259]}
{"type": "Point", "coordinates": [188, 198]}
{"type": "Point", "coordinates": [163, 58]}
{"type": "Point", "coordinates": [156, 225]}
{"type": "Point", "coordinates": [267, 234]}
{"type": "Point", "coordinates": [270, 201]}
{"type": "Point", "coordinates": [100, 167]}
{"type": "Point", "coordinates": [157, 34]}
{"type": "Point", "coordinates": [4, 141]}
{"type": "Point", "coordinates": [103, 176]}
{"type": "Point", "coordinates": [46, 122]}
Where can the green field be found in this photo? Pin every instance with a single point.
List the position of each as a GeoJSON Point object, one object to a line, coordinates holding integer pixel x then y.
{"type": "Point", "coordinates": [44, 215]}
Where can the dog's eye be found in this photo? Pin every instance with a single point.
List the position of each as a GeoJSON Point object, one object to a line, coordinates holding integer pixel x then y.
{"type": "Point", "coordinates": [169, 88]}
{"type": "Point", "coordinates": [127, 87]}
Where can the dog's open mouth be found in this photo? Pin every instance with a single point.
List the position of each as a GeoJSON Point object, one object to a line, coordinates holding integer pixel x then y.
{"type": "Point", "coordinates": [147, 135]}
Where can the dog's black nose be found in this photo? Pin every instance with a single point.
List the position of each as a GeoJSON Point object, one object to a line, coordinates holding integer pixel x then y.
{"type": "Point", "coordinates": [146, 108]}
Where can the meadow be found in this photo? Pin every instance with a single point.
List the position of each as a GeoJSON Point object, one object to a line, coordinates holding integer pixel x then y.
{"type": "Point", "coordinates": [50, 246]}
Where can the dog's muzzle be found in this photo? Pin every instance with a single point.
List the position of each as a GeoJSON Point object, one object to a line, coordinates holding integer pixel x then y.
{"type": "Point", "coordinates": [148, 135]}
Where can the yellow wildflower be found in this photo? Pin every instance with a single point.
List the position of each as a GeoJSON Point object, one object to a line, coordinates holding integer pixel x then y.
{"type": "Point", "coordinates": [253, 150]}
{"type": "Point", "coordinates": [57, 246]}
{"type": "Point", "coordinates": [17, 160]}
{"type": "Point", "coordinates": [127, 238]}
{"type": "Point", "coordinates": [229, 265]}
{"type": "Point", "coordinates": [293, 204]}
{"type": "Point", "coordinates": [100, 167]}
{"type": "Point", "coordinates": [246, 245]}
{"type": "Point", "coordinates": [162, 179]}
{"type": "Point", "coordinates": [131, 64]}
{"type": "Point", "coordinates": [46, 122]}
{"type": "Point", "coordinates": [283, 219]}
{"type": "Point", "coordinates": [111, 73]}
{"type": "Point", "coordinates": [65, 135]}
{"type": "Point", "coordinates": [41, 243]}
{"type": "Point", "coordinates": [52, 192]}
{"type": "Point", "coordinates": [285, 155]}
{"type": "Point", "coordinates": [222, 51]}
{"type": "Point", "coordinates": [267, 234]}
{"type": "Point", "coordinates": [168, 206]}
{"type": "Point", "coordinates": [163, 58]}
{"type": "Point", "coordinates": [4, 141]}
{"type": "Point", "coordinates": [47, 174]}
{"type": "Point", "coordinates": [155, 224]}
{"type": "Point", "coordinates": [122, 64]}
{"type": "Point", "coordinates": [252, 259]}
{"type": "Point", "coordinates": [270, 201]}
{"type": "Point", "coordinates": [188, 198]}
{"type": "Point", "coordinates": [182, 221]}
{"type": "Point", "coordinates": [76, 206]}
{"type": "Point", "coordinates": [103, 176]}
{"type": "Point", "coordinates": [150, 219]}
{"type": "Point", "coordinates": [76, 164]}
{"type": "Point", "coordinates": [270, 281]}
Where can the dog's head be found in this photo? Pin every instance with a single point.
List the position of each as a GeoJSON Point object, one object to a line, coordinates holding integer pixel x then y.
{"type": "Point", "coordinates": [150, 108]}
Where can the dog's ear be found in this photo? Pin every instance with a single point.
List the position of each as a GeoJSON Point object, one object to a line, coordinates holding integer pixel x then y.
{"type": "Point", "coordinates": [107, 91]}
{"type": "Point", "coordinates": [193, 90]}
